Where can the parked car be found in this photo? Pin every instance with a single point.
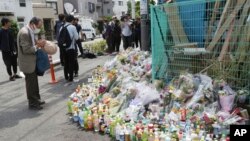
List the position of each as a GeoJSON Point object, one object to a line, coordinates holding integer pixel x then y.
{"type": "Point", "coordinates": [88, 30]}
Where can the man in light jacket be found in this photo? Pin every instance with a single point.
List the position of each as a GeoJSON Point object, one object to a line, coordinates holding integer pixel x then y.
{"type": "Point", "coordinates": [70, 53]}
{"type": "Point", "coordinates": [27, 47]}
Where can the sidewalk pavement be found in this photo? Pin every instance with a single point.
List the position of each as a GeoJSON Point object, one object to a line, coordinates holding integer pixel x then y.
{"type": "Point", "coordinates": [18, 123]}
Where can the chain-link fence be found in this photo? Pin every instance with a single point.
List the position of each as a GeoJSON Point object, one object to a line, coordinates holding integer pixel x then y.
{"type": "Point", "coordinates": [202, 36]}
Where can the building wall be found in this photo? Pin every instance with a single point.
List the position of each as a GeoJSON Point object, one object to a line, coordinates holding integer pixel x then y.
{"type": "Point", "coordinates": [46, 10]}
{"type": "Point", "coordinates": [102, 8]}
{"type": "Point", "coordinates": [108, 8]}
{"type": "Point", "coordinates": [120, 7]}
{"type": "Point", "coordinates": [25, 12]}
{"type": "Point", "coordinates": [7, 9]}
{"type": "Point", "coordinates": [12, 9]}
{"type": "Point", "coordinates": [60, 6]}
{"type": "Point", "coordinates": [88, 9]}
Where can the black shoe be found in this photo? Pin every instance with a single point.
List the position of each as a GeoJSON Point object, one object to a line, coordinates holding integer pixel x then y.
{"type": "Point", "coordinates": [17, 76]}
{"type": "Point", "coordinates": [35, 107]}
{"type": "Point", "coordinates": [83, 56]}
{"type": "Point", "coordinates": [41, 102]}
{"type": "Point", "coordinates": [76, 75]}
{"type": "Point", "coordinates": [12, 78]}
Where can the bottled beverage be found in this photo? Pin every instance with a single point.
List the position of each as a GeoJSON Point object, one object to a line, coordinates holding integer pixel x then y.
{"type": "Point", "coordinates": [139, 135]}
{"type": "Point", "coordinates": [75, 117]}
{"type": "Point", "coordinates": [162, 136]}
{"type": "Point", "coordinates": [70, 104]}
{"type": "Point", "coordinates": [101, 123]}
{"type": "Point", "coordinates": [90, 122]}
{"type": "Point", "coordinates": [145, 135]}
{"type": "Point", "coordinates": [208, 138]}
{"type": "Point", "coordinates": [117, 131]}
{"type": "Point", "coordinates": [122, 135]}
{"type": "Point", "coordinates": [156, 137]}
{"type": "Point", "coordinates": [96, 121]}
{"type": "Point", "coordinates": [151, 135]}
{"type": "Point", "coordinates": [112, 128]}
{"type": "Point", "coordinates": [174, 136]}
{"type": "Point", "coordinates": [133, 135]}
{"type": "Point", "coordinates": [85, 119]}
{"type": "Point", "coordinates": [80, 117]}
{"type": "Point", "coordinates": [127, 136]}
{"type": "Point", "coordinates": [168, 138]}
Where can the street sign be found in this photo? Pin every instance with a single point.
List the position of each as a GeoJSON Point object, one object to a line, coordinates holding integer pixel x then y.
{"type": "Point", "coordinates": [144, 7]}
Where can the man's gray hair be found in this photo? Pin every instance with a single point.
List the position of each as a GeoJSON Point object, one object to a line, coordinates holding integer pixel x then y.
{"type": "Point", "coordinates": [35, 20]}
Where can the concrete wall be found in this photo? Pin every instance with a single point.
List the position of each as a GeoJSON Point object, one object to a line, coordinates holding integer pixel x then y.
{"type": "Point", "coordinates": [118, 9]}
{"type": "Point", "coordinates": [84, 9]}
{"type": "Point", "coordinates": [44, 12]}
{"type": "Point", "coordinates": [108, 7]}
{"type": "Point", "coordinates": [60, 6]}
{"type": "Point", "coordinates": [25, 12]}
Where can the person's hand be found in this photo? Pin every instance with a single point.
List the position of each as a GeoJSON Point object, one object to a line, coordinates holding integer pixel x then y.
{"type": "Point", "coordinates": [41, 43]}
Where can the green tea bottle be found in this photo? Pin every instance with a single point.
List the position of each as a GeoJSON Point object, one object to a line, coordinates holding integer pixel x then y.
{"type": "Point", "coordinates": [70, 104]}
{"type": "Point", "coordinates": [145, 135]}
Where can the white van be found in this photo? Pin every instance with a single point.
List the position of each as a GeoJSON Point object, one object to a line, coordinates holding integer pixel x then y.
{"type": "Point", "coordinates": [87, 29]}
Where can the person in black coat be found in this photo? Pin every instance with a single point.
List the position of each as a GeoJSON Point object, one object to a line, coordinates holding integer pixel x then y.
{"type": "Point", "coordinates": [79, 41]}
{"type": "Point", "coordinates": [138, 32]}
{"type": "Point", "coordinates": [57, 28]}
{"type": "Point", "coordinates": [108, 36]}
{"type": "Point", "coordinates": [8, 48]}
{"type": "Point", "coordinates": [117, 31]}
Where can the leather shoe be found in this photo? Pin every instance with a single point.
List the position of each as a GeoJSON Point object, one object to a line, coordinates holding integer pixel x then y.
{"type": "Point", "coordinates": [35, 107]}
{"type": "Point", "coordinates": [41, 102]}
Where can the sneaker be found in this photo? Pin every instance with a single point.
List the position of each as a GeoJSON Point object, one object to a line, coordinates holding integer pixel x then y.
{"type": "Point", "coordinates": [82, 56]}
{"type": "Point", "coordinates": [17, 76]}
{"type": "Point", "coordinates": [69, 83]}
{"type": "Point", "coordinates": [35, 107]}
{"type": "Point", "coordinates": [75, 80]}
{"type": "Point", "coordinates": [22, 75]}
{"type": "Point", "coordinates": [12, 78]}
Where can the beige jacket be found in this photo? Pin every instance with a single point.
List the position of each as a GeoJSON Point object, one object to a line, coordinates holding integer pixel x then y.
{"type": "Point", "coordinates": [26, 51]}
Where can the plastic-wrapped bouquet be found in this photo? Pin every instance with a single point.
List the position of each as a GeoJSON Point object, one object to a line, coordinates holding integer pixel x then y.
{"type": "Point", "coordinates": [226, 101]}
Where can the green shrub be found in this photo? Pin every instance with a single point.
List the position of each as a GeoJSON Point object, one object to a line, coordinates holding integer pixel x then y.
{"type": "Point", "coordinates": [97, 47]}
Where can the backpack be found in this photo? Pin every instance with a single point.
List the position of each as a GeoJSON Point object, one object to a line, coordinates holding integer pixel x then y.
{"type": "Point", "coordinates": [64, 40]}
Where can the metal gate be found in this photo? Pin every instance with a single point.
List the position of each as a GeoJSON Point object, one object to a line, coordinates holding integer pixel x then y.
{"type": "Point", "coordinates": [202, 36]}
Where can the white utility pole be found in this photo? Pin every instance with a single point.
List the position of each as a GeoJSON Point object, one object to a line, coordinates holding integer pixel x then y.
{"type": "Point", "coordinates": [133, 8]}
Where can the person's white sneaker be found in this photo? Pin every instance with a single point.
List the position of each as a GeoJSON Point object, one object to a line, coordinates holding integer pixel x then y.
{"type": "Point", "coordinates": [22, 75]}
{"type": "Point", "coordinates": [75, 80]}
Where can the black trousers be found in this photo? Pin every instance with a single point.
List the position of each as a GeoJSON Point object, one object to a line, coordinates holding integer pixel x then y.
{"type": "Point", "coordinates": [138, 41]}
{"type": "Point", "coordinates": [62, 52]}
{"type": "Point", "coordinates": [32, 88]}
{"type": "Point", "coordinates": [76, 64]}
{"type": "Point", "coordinates": [126, 41]}
{"type": "Point", "coordinates": [109, 41]}
{"type": "Point", "coordinates": [116, 43]}
{"type": "Point", "coordinates": [69, 65]}
{"type": "Point", "coordinates": [10, 61]}
{"type": "Point", "coordinates": [79, 44]}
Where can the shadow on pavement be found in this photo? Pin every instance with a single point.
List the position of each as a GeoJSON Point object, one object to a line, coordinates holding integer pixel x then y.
{"type": "Point", "coordinates": [4, 82]}
{"type": "Point", "coordinates": [12, 117]}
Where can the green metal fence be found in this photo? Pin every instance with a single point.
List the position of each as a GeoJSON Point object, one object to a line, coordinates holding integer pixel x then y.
{"type": "Point", "coordinates": [202, 36]}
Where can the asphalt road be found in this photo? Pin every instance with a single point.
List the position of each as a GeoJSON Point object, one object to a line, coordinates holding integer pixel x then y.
{"type": "Point", "coordinates": [18, 123]}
